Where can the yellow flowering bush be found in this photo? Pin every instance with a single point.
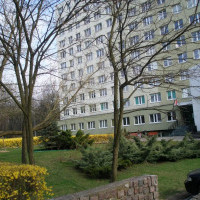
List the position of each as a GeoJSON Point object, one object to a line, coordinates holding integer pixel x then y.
{"type": "Point", "coordinates": [23, 182]}
{"type": "Point", "coordinates": [16, 142]}
{"type": "Point", "coordinates": [103, 138]}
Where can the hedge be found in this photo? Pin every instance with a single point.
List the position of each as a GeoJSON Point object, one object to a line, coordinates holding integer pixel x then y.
{"type": "Point", "coordinates": [23, 182]}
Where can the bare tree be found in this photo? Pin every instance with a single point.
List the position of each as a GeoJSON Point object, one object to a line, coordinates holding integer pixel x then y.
{"type": "Point", "coordinates": [29, 31]}
{"type": "Point", "coordinates": [138, 43]}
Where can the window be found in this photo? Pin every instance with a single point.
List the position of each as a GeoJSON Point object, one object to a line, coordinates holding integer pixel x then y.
{"type": "Point", "coordinates": [171, 116]}
{"type": "Point", "coordinates": [79, 60]}
{"type": "Point", "coordinates": [135, 55]}
{"type": "Point", "coordinates": [192, 3]}
{"type": "Point", "coordinates": [87, 20]}
{"type": "Point", "coordinates": [62, 54]}
{"type": "Point", "coordinates": [81, 126]}
{"type": "Point", "coordinates": [93, 108]}
{"type": "Point", "coordinates": [159, 2]}
{"type": "Point", "coordinates": [152, 66]}
{"type": "Point", "coordinates": [87, 32]}
{"type": "Point", "coordinates": [186, 92]}
{"type": "Point", "coordinates": [154, 82]}
{"type": "Point", "coordinates": [146, 6]}
{"type": "Point", "coordinates": [89, 56]}
{"type": "Point", "coordinates": [69, 28]}
{"type": "Point", "coordinates": [108, 10]}
{"type": "Point", "coordinates": [102, 79]}
{"type": "Point", "coordinates": [91, 125]}
{"type": "Point", "coordinates": [155, 118]}
{"type": "Point", "coordinates": [112, 89]}
{"type": "Point", "coordinates": [92, 95]}
{"type": "Point", "coordinates": [70, 39]}
{"type": "Point", "coordinates": [64, 127]}
{"type": "Point", "coordinates": [184, 75]}
{"type": "Point", "coordinates": [78, 36]}
{"type": "Point", "coordinates": [103, 92]}
{"type": "Point", "coordinates": [132, 26]}
{"type": "Point", "coordinates": [98, 27]}
{"type": "Point", "coordinates": [180, 41]}
{"type": "Point", "coordinates": [82, 109]}
{"type": "Point", "coordinates": [80, 72]}
{"type": "Point", "coordinates": [167, 62]}
{"type": "Point", "coordinates": [195, 18]}
{"type": "Point", "coordinates": [97, 15]}
{"type": "Point", "coordinates": [139, 120]}
{"type": "Point", "coordinates": [78, 25]}
{"type": "Point", "coordinates": [78, 47]}
{"type": "Point", "coordinates": [166, 46]}
{"type": "Point", "coordinates": [139, 100]}
{"type": "Point", "coordinates": [182, 57]}
{"type": "Point", "coordinates": [169, 78]}
{"type": "Point", "coordinates": [162, 14]}
{"type": "Point", "coordinates": [176, 8]}
{"type": "Point", "coordinates": [171, 95]}
{"type": "Point", "coordinates": [131, 12]}
{"type": "Point", "coordinates": [63, 65]}
{"type": "Point", "coordinates": [66, 112]}
{"type": "Point", "coordinates": [127, 102]}
{"type": "Point", "coordinates": [90, 69]}
{"type": "Point", "coordinates": [109, 22]}
{"type": "Point", "coordinates": [71, 63]}
{"type": "Point", "coordinates": [178, 24]}
{"type": "Point", "coordinates": [71, 51]}
{"type": "Point", "coordinates": [112, 76]}
{"type": "Point", "coordinates": [74, 111]}
{"type": "Point", "coordinates": [72, 74]}
{"type": "Point", "coordinates": [103, 124]}
{"type": "Point", "coordinates": [134, 40]}
{"type": "Point", "coordinates": [126, 121]}
{"type": "Point", "coordinates": [100, 52]}
{"type": "Point", "coordinates": [149, 35]}
{"type": "Point", "coordinates": [197, 54]}
{"type": "Point", "coordinates": [91, 82]}
{"type": "Point", "coordinates": [64, 76]}
{"type": "Point", "coordinates": [73, 127]}
{"type": "Point", "coordinates": [104, 106]}
{"type": "Point", "coordinates": [62, 43]}
{"type": "Point", "coordinates": [195, 36]}
{"type": "Point", "coordinates": [125, 89]}
{"type": "Point", "coordinates": [147, 20]}
{"type": "Point", "coordinates": [88, 44]}
{"type": "Point", "coordinates": [101, 65]}
{"type": "Point", "coordinates": [150, 51]}
{"type": "Point", "coordinates": [82, 97]}
{"type": "Point", "coordinates": [156, 97]}
{"type": "Point", "coordinates": [99, 40]}
{"type": "Point", "coordinates": [74, 100]}
{"type": "Point", "coordinates": [73, 86]}
{"type": "Point", "coordinates": [164, 30]}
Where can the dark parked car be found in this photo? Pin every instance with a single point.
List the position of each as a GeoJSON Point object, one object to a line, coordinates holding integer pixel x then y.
{"type": "Point", "coordinates": [192, 184]}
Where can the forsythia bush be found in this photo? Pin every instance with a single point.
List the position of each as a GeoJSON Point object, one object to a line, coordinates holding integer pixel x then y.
{"type": "Point", "coordinates": [103, 138]}
{"type": "Point", "coordinates": [23, 182]}
{"type": "Point", "coordinates": [15, 142]}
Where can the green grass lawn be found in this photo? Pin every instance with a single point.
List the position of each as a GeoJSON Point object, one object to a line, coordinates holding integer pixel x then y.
{"type": "Point", "coordinates": [65, 179]}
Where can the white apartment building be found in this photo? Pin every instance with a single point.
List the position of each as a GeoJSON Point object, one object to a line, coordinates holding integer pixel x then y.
{"type": "Point", "coordinates": [83, 60]}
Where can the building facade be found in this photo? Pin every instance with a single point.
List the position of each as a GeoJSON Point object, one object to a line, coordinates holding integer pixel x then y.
{"type": "Point", "coordinates": [86, 73]}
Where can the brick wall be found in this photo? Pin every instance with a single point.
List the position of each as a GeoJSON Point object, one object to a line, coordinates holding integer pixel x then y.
{"type": "Point", "coordinates": [136, 188]}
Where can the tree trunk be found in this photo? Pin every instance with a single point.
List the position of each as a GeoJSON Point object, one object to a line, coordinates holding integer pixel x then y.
{"type": "Point", "coordinates": [24, 144]}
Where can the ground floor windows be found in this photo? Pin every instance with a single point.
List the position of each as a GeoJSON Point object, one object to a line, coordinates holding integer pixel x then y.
{"type": "Point", "coordinates": [103, 124]}
{"type": "Point", "coordinates": [126, 121]}
{"type": "Point", "coordinates": [91, 125]}
{"type": "Point", "coordinates": [171, 116]}
{"type": "Point", "coordinates": [155, 118]}
{"type": "Point", "coordinates": [73, 127]}
{"type": "Point", "coordinates": [81, 126]}
{"type": "Point", "coordinates": [139, 120]}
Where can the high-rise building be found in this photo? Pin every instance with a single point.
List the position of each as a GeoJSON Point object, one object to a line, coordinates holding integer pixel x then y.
{"type": "Point", "coordinates": [165, 38]}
